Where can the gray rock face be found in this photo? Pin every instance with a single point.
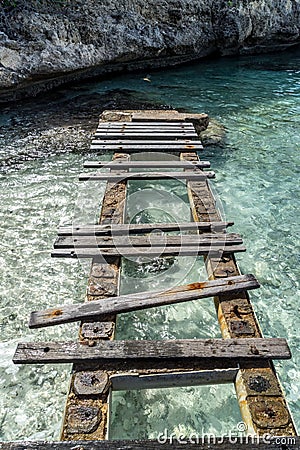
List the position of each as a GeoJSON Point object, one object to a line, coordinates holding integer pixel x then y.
{"type": "Point", "coordinates": [44, 43]}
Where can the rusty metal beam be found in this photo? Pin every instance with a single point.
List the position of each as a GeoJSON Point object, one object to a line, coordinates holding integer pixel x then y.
{"type": "Point", "coordinates": [260, 396]}
{"type": "Point", "coordinates": [86, 412]}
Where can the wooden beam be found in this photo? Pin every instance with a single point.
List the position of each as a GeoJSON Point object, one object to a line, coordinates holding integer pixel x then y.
{"type": "Point", "coordinates": [132, 228]}
{"type": "Point", "coordinates": [146, 252]}
{"type": "Point", "coordinates": [133, 381]}
{"type": "Point", "coordinates": [115, 177]}
{"type": "Point", "coordinates": [147, 142]}
{"type": "Point", "coordinates": [148, 241]}
{"type": "Point", "coordinates": [142, 147]}
{"type": "Point", "coordinates": [150, 124]}
{"type": "Point", "coordinates": [73, 427]}
{"type": "Point", "coordinates": [145, 124]}
{"type": "Point", "coordinates": [145, 165]}
{"type": "Point", "coordinates": [236, 442]}
{"type": "Point", "coordinates": [214, 353]}
{"type": "Point", "coordinates": [146, 129]}
{"type": "Point", "coordinates": [237, 319]}
{"type": "Point", "coordinates": [168, 116]}
{"type": "Point", "coordinates": [100, 309]}
{"type": "Point", "coordinates": [142, 142]}
{"type": "Point", "coordinates": [142, 124]}
{"type": "Point", "coordinates": [147, 136]}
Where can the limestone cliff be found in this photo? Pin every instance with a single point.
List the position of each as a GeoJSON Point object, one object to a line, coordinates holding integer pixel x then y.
{"type": "Point", "coordinates": [44, 43]}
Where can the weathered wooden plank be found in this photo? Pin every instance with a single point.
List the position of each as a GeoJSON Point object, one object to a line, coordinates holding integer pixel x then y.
{"type": "Point", "coordinates": [168, 116]}
{"type": "Point", "coordinates": [145, 164]}
{"type": "Point", "coordinates": [115, 177]}
{"type": "Point", "coordinates": [143, 300]}
{"type": "Point", "coordinates": [147, 142]}
{"type": "Point", "coordinates": [142, 124]}
{"type": "Point", "coordinates": [145, 252]}
{"type": "Point", "coordinates": [167, 443]}
{"type": "Point", "coordinates": [146, 128]}
{"type": "Point", "coordinates": [146, 134]}
{"type": "Point", "coordinates": [132, 148]}
{"type": "Point", "coordinates": [151, 136]}
{"type": "Point", "coordinates": [150, 124]}
{"type": "Point", "coordinates": [155, 132]}
{"type": "Point", "coordinates": [132, 381]}
{"type": "Point", "coordinates": [214, 353]}
{"type": "Point", "coordinates": [146, 124]}
{"type": "Point", "coordinates": [98, 230]}
{"type": "Point", "coordinates": [147, 241]}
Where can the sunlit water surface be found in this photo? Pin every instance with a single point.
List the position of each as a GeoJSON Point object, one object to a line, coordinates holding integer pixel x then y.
{"type": "Point", "coordinates": [258, 101]}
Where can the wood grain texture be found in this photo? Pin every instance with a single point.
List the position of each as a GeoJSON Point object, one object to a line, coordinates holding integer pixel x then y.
{"type": "Point", "coordinates": [145, 123]}
{"type": "Point", "coordinates": [126, 229]}
{"type": "Point", "coordinates": [146, 129]}
{"type": "Point", "coordinates": [147, 136]}
{"type": "Point", "coordinates": [133, 381]}
{"type": "Point", "coordinates": [115, 177]}
{"type": "Point", "coordinates": [146, 252]}
{"type": "Point", "coordinates": [275, 443]}
{"type": "Point", "coordinates": [148, 142]}
{"type": "Point", "coordinates": [279, 443]}
{"type": "Point", "coordinates": [142, 147]}
{"type": "Point", "coordinates": [133, 302]}
{"type": "Point", "coordinates": [145, 164]}
{"type": "Point", "coordinates": [214, 353]}
{"type": "Point", "coordinates": [219, 239]}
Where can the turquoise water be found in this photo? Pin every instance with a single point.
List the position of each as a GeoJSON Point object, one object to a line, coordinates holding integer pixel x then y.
{"type": "Point", "coordinates": [258, 184]}
{"type": "Point", "coordinates": [258, 101]}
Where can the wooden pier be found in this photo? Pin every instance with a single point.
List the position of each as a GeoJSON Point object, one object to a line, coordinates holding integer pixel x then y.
{"type": "Point", "coordinates": [102, 364]}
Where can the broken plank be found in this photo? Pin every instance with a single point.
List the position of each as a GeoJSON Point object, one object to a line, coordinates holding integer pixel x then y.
{"type": "Point", "coordinates": [145, 164]}
{"type": "Point", "coordinates": [146, 253]}
{"type": "Point", "coordinates": [133, 381]}
{"type": "Point", "coordinates": [125, 229]}
{"type": "Point", "coordinates": [215, 353]}
{"type": "Point", "coordinates": [148, 241]}
{"type": "Point", "coordinates": [115, 177]}
{"type": "Point", "coordinates": [142, 300]}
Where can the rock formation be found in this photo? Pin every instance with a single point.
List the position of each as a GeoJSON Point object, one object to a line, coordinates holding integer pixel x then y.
{"type": "Point", "coordinates": [44, 43]}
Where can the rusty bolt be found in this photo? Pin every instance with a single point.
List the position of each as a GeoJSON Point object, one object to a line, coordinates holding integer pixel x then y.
{"type": "Point", "coordinates": [83, 419]}
{"type": "Point", "coordinates": [91, 383]}
{"type": "Point", "coordinates": [269, 413]}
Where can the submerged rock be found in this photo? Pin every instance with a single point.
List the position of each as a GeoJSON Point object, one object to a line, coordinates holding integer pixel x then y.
{"type": "Point", "coordinates": [214, 135]}
{"type": "Point", "coordinates": [44, 43]}
{"type": "Point", "coordinates": [58, 123]}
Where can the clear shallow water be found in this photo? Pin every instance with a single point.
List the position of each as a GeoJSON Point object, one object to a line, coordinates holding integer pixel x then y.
{"type": "Point", "coordinates": [258, 182]}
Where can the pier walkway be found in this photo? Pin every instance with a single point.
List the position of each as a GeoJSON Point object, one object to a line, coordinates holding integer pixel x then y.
{"type": "Point", "coordinates": [100, 363]}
